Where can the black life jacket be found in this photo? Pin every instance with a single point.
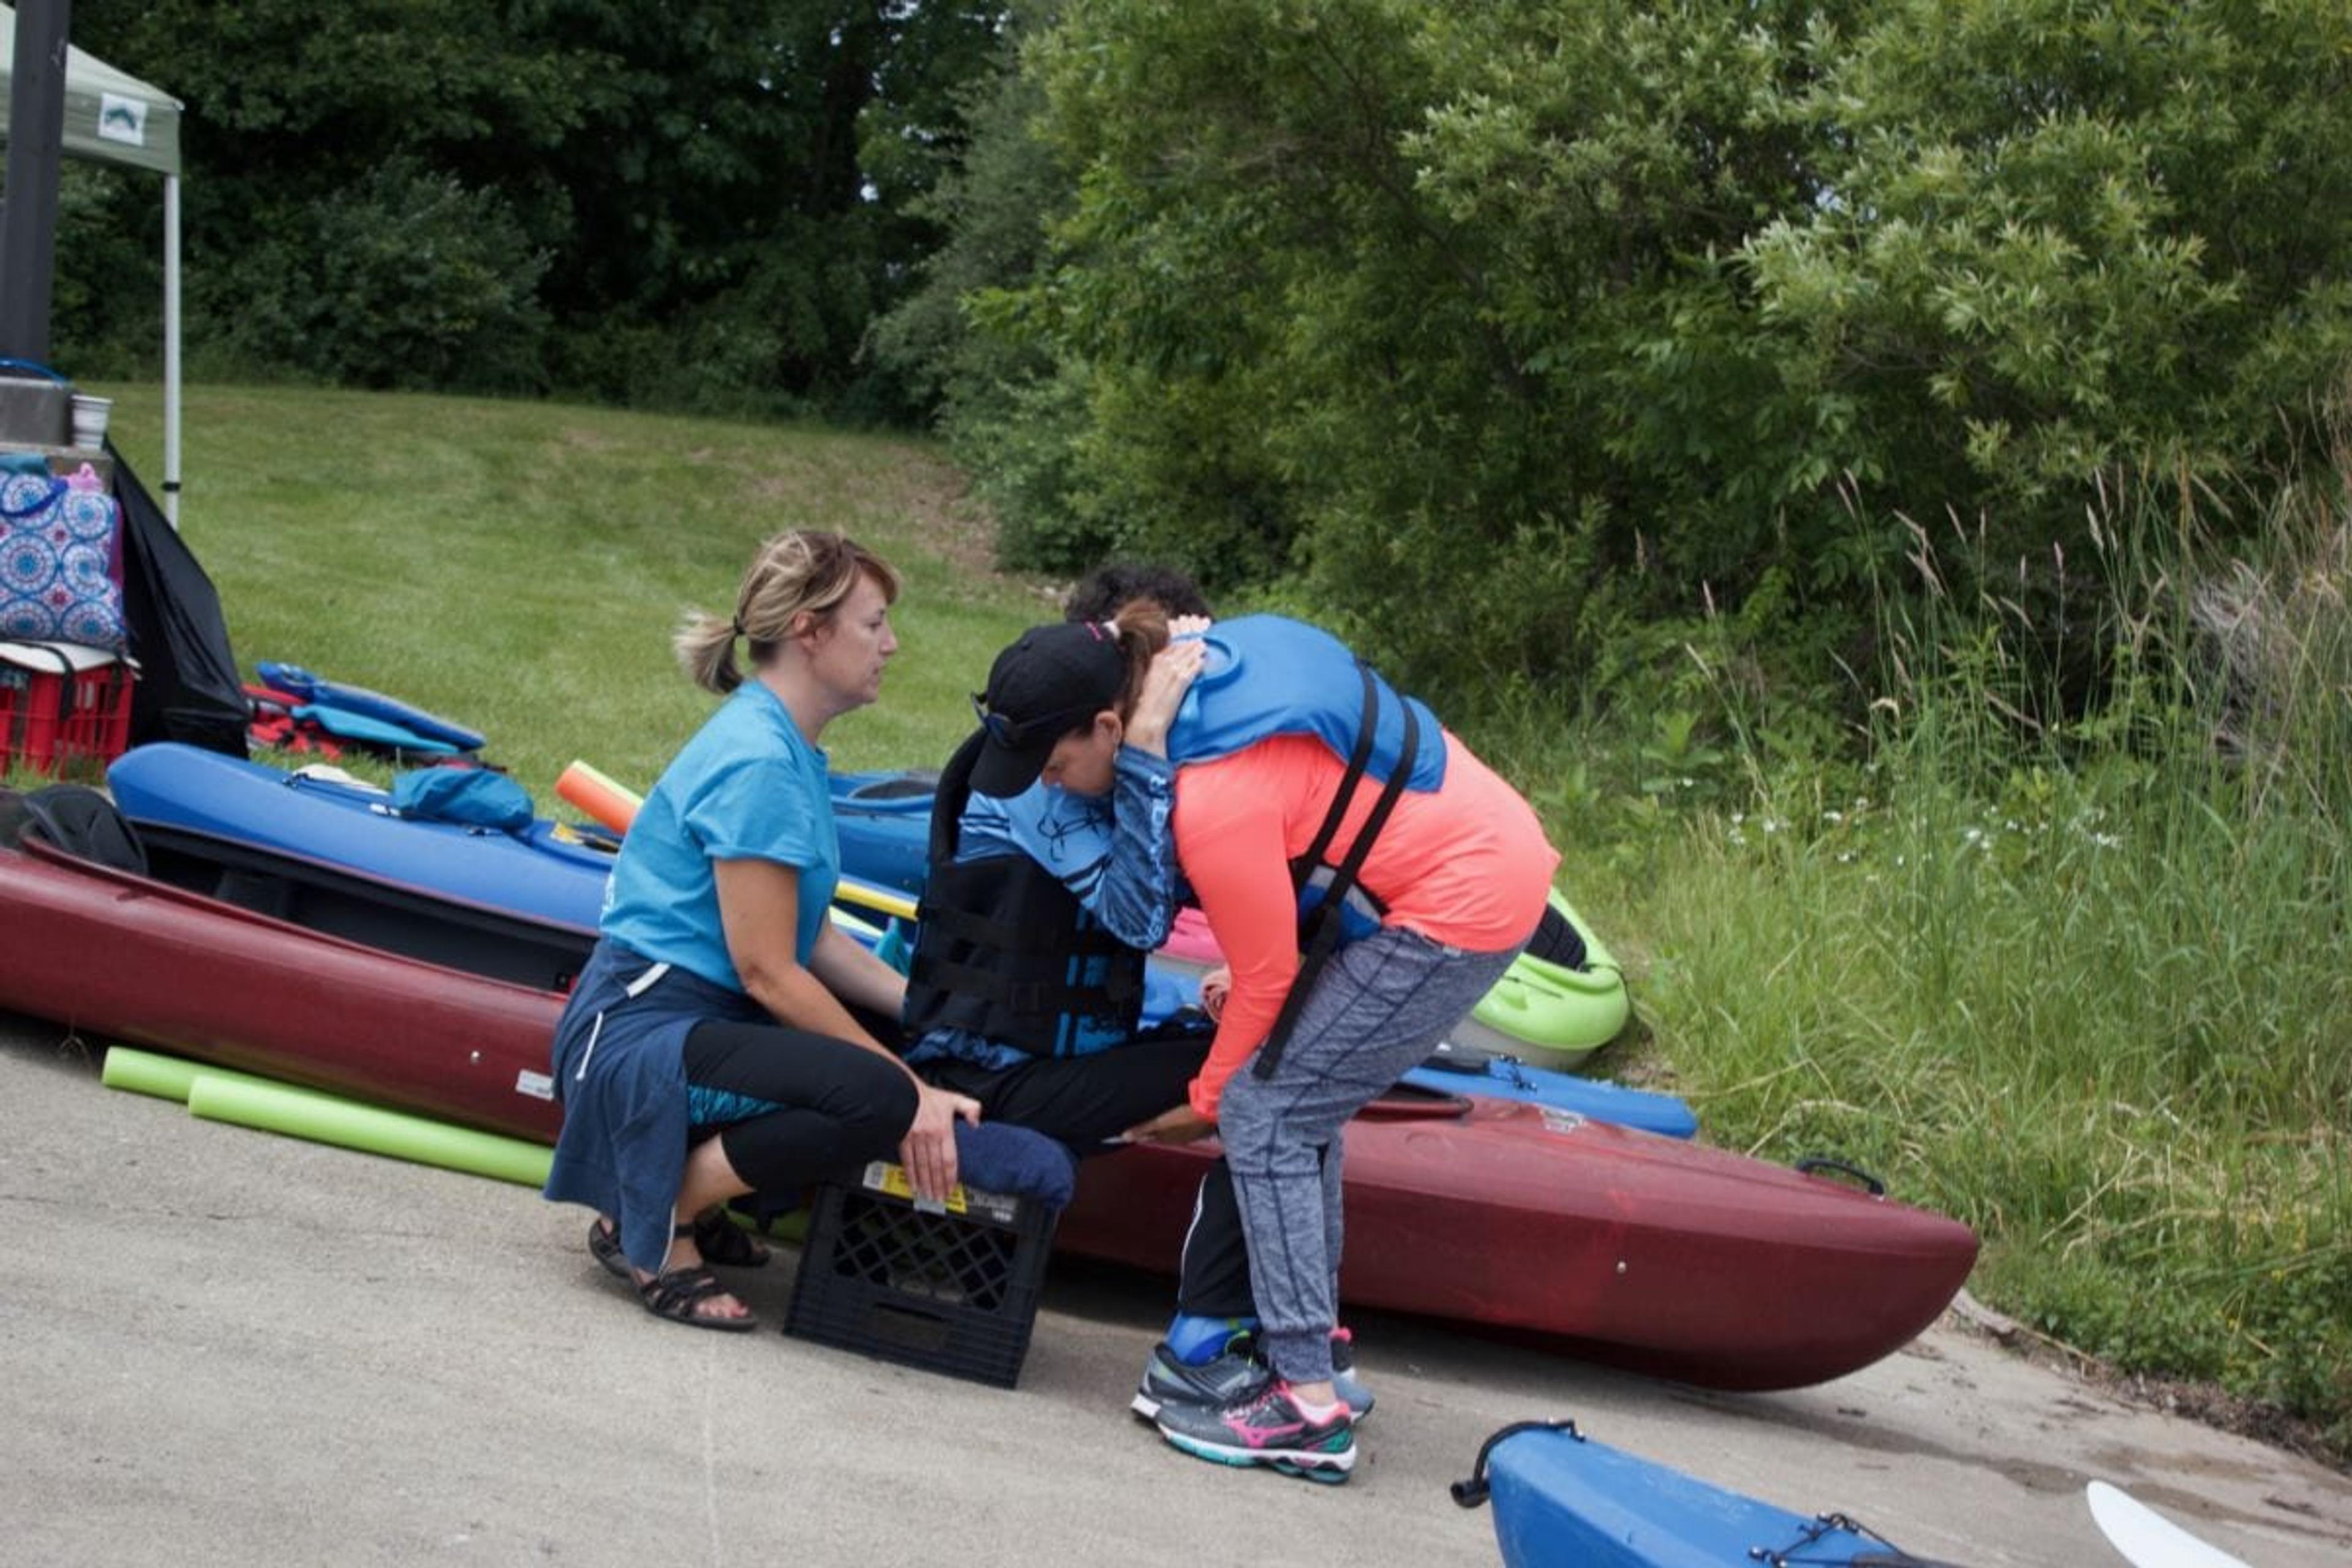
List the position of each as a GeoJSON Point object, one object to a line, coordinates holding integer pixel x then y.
{"type": "Point", "coordinates": [1003, 949]}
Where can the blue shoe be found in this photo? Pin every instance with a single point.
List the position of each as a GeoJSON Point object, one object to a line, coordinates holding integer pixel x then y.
{"type": "Point", "coordinates": [1268, 1428]}
{"type": "Point", "coordinates": [1224, 1380]}
{"type": "Point", "coordinates": [1343, 1374]}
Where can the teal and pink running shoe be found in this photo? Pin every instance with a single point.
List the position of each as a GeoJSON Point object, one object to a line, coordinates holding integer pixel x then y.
{"type": "Point", "coordinates": [1235, 1373]}
{"type": "Point", "coordinates": [1265, 1428]}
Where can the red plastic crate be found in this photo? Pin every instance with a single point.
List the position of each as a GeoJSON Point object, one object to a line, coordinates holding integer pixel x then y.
{"type": "Point", "coordinates": [79, 706]}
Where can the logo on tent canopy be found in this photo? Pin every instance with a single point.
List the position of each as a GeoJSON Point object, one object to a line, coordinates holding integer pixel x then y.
{"type": "Point", "coordinates": [122, 119]}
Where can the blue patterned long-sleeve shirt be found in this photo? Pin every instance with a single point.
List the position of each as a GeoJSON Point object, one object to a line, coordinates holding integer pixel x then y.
{"type": "Point", "coordinates": [1115, 852]}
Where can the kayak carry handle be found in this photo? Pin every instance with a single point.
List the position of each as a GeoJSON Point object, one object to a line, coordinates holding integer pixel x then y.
{"type": "Point", "coordinates": [1451, 1058]}
{"type": "Point", "coordinates": [1411, 1103]}
{"type": "Point", "coordinates": [1815, 1164]}
{"type": "Point", "coordinates": [1471, 1492]}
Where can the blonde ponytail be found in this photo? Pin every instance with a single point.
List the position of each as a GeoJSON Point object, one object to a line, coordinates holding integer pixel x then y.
{"type": "Point", "coordinates": [797, 579]}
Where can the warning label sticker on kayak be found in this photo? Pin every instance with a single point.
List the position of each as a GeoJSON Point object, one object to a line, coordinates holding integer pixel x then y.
{"type": "Point", "coordinates": [537, 1085]}
{"type": "Point", "coordinates": [1560, 1120]}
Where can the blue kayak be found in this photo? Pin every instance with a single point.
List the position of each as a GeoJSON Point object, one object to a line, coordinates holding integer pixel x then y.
{"type": "Point", "coordinates": [553, 873]}
{"type": "Point", "coordinates": [1462, 1071]}
{"type": "Point", "coordinates": [547, 871]}
{"type": "Point", "coordinates": [367, 730]}
{"type": "Point", "coordinates": [884, 822]}
{"type": "Point", "coordinates": [1466, 1070]}
{"type": "Point", "coordinates": [1561, 1500]}
{"type": "Point", "coordinates": [411, 725]}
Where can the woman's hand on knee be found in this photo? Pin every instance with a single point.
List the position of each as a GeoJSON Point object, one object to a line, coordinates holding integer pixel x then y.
{"type": "Point", "coordinates": [929, 1150]}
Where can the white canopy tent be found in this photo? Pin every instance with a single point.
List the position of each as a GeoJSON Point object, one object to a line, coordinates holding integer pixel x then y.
{"type": "Point", "coordinates": [115, 118]}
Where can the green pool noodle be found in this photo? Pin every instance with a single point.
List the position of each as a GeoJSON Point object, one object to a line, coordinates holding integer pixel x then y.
{"type": "Point", "coordinates": [791, 1227]}
{"type": "Point", "coordinates": [323, 1119]}
{"type": "Point", "coordinates": [169, 1078]}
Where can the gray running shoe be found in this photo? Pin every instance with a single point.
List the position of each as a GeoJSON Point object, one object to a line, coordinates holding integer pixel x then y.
{"type": "Point", "coordinates": [1225, 1379]}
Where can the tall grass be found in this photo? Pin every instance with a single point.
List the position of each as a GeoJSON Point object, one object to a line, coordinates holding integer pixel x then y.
{"type": "Point", "coordinates": [2078, 980]}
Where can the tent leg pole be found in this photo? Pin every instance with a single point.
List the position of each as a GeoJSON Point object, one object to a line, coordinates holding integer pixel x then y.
{"type": "Point", "coordinates": [172, 348]}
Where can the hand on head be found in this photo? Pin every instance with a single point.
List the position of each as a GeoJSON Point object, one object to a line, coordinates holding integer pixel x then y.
{"type": "Point", "coordinates": [1172, 674]}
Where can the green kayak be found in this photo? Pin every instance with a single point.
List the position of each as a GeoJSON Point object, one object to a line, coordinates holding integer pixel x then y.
{"type": "Point", "coordinates": [1561, 1000]}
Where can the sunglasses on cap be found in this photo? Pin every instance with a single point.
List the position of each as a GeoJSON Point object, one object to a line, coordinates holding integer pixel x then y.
{"type": "Point", "coordinates": [1006, 731]}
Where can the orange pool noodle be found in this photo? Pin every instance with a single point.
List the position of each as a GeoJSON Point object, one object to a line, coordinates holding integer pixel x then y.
{"type": "Point", "coordinates": [597, 797]}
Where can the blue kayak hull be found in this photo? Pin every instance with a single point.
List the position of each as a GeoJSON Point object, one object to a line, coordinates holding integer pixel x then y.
{"type": "Point", "coordinates": [1597, 1099]}
{"type": "Point", "coordinates": [546, 871]}
{"type": "Point", "coordinates": [884, 823]}
{"type": "Point", "coordinates": [1561, 1500]}
{"type": "Point", "coordinates": [404, 723]}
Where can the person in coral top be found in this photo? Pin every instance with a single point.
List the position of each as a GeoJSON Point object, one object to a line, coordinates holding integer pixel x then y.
{"type": "Point", "coordinates": [1294, 764]}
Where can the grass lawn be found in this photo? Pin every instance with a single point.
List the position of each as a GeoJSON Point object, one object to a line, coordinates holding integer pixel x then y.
{"type": "Point", "coordinates": [518, 566]}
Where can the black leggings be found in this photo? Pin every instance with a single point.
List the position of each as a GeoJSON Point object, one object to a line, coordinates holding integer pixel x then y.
{"type": "Point", "coordinates": [1082, 1101]}
{"type": "Point", "coordinates": [791, 1108]}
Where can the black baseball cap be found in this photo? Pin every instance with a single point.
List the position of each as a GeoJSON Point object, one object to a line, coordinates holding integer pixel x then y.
{"type": "Point", "coordinates": [1045, 686]}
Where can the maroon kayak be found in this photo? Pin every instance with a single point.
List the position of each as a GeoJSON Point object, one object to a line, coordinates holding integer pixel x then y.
{"type": "Point", "coordinates": [132, 958]}
{"type": "Point", "coordinates": [1645, 1252]}
{"type": "Point", "coordinates": [1654, 1254]}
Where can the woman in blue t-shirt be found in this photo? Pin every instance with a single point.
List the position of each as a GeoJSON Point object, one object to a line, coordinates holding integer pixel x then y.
{"type": "Point", "coordinates": [712, 1045]}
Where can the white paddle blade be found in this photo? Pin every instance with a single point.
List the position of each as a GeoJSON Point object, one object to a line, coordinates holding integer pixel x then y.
{"type": "Point", "coordinates": [2147, 1539]}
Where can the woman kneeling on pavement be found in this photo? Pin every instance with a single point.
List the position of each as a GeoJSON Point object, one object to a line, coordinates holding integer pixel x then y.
{"type": "Point", "coordinates": [1272, 797]}
{"type": "Point", "coordinates": [710, 1047]}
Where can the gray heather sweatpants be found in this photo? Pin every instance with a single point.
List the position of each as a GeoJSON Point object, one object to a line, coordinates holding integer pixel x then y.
{"type": "Point", "coordinates": [1377, 1010]}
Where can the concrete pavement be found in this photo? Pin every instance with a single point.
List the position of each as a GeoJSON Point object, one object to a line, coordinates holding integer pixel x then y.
{"type": "Point", "coordinates": [218, 1346]}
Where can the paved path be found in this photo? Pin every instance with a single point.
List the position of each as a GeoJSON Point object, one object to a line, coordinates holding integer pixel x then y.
{"type": "Point", "coordinates": [218, 1346]}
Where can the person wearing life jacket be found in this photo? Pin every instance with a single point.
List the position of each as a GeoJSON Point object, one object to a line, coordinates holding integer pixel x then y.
{"type": "Point", "coordinates": [1294, 764]}
{"type": "Point", "coordinates": [1026, 983]}
{"type": "Point", "coordinates": [1029, 964]}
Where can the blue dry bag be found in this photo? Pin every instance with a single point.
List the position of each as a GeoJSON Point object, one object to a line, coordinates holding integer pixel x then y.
{"type": "Point", "coordinates": [473, 796]}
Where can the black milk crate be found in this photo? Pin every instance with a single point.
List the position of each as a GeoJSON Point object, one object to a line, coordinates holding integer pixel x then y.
{"type": "Point", "coordinates": [954, 1291]}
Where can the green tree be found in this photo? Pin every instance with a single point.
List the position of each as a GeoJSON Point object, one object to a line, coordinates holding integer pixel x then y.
{"type": "Point", "coordinates": [1511, 334]}
{"type": "Point", "coordinates": [1356, 284]}
{"type": "Point", "coordinates": [664, 205]}
{"type": "Point", "coordinates": [958, 340]}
